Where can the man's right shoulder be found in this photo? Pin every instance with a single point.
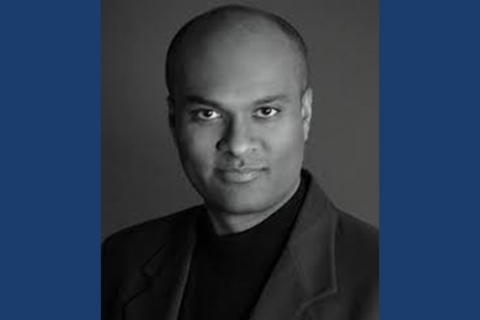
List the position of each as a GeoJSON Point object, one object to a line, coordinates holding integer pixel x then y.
{"type": "Point", "coordinates": [139, 241]}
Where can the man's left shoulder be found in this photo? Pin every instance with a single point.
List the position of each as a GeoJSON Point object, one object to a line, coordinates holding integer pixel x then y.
{"type": "Point", "coordinates": [357, 235]}
{"type": "Point", "coordinates": [357, 249]}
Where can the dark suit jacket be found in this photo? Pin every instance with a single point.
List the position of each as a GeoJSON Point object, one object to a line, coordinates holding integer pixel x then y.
{"type": "Point", "coordinates": [327, 271]}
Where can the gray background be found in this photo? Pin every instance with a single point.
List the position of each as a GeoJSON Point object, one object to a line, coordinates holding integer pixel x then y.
{"type": "Point", "coordinates": [141, 174]}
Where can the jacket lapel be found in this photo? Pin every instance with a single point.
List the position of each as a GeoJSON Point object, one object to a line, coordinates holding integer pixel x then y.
{"type": "Point", "coordinates": [164, 278]}
{"type": "Point", "coordinates": [305, 272]}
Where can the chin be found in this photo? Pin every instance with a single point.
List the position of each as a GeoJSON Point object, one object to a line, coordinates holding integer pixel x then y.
{"type": "Point", "coordinates": [241, 204]}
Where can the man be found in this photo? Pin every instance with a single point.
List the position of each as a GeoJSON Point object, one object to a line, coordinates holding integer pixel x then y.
{"type": "Point", "coordinates": [267, 243]}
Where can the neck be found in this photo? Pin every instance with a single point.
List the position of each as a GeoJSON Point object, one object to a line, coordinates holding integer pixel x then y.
{"type": "Point", "coordinates": [226, 222]}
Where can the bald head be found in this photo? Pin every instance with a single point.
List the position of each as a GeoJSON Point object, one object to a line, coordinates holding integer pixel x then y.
{"type": "Point", "coordinates": [229, 31]}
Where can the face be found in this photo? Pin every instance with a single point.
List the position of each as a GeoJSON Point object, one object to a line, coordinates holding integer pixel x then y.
{"type": "Point", "coordinates": [240, 119]}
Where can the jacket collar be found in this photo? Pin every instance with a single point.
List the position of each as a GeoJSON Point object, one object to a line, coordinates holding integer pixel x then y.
{"type": "Point", "coordinates": [305, 272]}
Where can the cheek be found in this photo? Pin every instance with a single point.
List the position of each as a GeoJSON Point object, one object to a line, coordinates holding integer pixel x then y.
{"type": "Point", "coordinates": [286, 142]}
{"type": "Point", "coordinates": [197, 145]}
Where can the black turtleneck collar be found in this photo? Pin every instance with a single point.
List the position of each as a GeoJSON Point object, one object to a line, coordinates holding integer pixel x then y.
{"type": "Point", "coordinates": [265, 238]}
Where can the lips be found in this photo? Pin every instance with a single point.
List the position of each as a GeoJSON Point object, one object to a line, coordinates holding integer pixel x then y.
{"type": "Point", "coordinates": [243, 175]}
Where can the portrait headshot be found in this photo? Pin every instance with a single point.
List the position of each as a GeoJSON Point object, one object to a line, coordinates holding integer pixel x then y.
{"type": "Point", "coordinates": [239, 160]}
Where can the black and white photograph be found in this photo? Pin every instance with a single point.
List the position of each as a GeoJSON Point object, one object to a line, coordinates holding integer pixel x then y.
{"type": "Point", "coordinates": [239, 160]}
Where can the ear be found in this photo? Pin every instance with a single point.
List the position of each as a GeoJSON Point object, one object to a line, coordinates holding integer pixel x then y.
{"type": "Point", "coordinates": [172, 117]}
{"type": "Point", "coordinates": [307, 99]}
{"type": "Point", "coordinates": [171, 112]}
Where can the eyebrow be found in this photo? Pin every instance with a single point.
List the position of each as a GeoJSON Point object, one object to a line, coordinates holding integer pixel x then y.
{"type": "Point", "coordinates": [270, 99]}
{"type": "Point", "coordinates": [195, 99]}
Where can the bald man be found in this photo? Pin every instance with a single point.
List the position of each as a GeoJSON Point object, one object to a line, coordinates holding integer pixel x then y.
{"type": "Point", "coordinates": [266, 243]}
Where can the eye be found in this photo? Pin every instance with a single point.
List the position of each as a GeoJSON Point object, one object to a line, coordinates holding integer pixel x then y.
{"type": "Point", "coordinates": [206, 114]}
{"type": "Point", "coordinates": [266, 112]}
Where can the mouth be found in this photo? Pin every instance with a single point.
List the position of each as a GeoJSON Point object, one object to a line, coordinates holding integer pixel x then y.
{"type": "Point", "coordinates": [239, 176]}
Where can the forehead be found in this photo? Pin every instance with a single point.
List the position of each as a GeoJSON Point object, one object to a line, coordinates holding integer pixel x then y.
{"type": "Point", "coordinates": [240, 64]}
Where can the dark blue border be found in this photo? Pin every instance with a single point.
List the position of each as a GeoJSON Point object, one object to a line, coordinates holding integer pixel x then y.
{"type": "Point", "coordinates": [429, 159]}
{"type": "Point", "coordinates": [50, 160]}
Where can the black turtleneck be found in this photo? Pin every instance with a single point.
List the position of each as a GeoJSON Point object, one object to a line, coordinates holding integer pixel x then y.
{"type": "Point", "coordinates": [228, 272]}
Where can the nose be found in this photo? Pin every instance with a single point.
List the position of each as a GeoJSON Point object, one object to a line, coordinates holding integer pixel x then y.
{"type": "Point", "coordinates": [237, 139]}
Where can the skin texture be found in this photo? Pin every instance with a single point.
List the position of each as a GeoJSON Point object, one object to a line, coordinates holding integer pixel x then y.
{"type": "Point", "coordinates": [240, 115]}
